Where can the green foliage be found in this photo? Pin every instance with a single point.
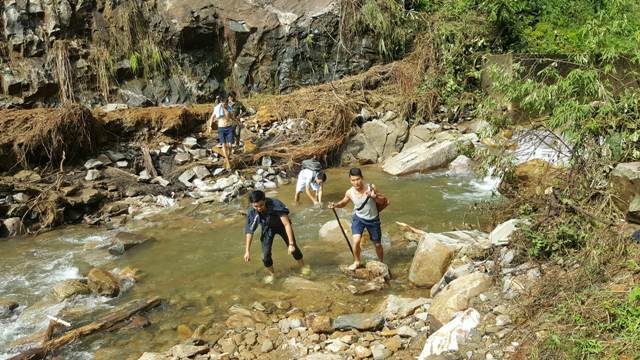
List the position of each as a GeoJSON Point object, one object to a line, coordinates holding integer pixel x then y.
{"type": "Point", "coordinates": [135, 62]}
{"type": "Point", "coordinates": [555, 238]}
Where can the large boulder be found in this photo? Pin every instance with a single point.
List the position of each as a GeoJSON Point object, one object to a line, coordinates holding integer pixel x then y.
{"type": "Point", "coordinates": [427, 156]}
{"type": "Point", "coordinates": [430, 261]}
{"type": "Point", "coordinates": [462, 166]}
{"type": "Point", "coordinates": [456, 296]}
{"type": "Point", "coordinates": [422, 134]}
{"type": "Point", "coordinates": [103, 283]}
{"type": "Point", "coordinates": [501, 235]}
{"type": "Point", "coordinates": [331, 232]}
{"type": "Point", "coordinates": [625, 180]}
{"type": "Point", "coordinates": [633, 214]}
{"type": "Point", "coordinates": [12, 227]}
{"type": "Point", "coordinates": [372, 270]}
{"type": "Point", "coordinates": [378, 139]}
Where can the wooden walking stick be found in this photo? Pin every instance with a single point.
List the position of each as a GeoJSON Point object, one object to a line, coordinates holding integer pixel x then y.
{"type": "Point", "coordinates": [346, 238]}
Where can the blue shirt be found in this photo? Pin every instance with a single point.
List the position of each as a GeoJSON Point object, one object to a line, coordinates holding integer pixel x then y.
{"type": "Point", "coordinates": [268, 220]}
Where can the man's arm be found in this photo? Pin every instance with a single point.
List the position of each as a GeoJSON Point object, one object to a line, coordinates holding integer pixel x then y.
{"type": "Point", "coordinates": [309, 192]}
{"type": "Point", "coordinates": [320, 192]}
{"type": "Point", "coordinates": [247, 239]}
{"type": "Point", "coordinates": [342, 203]}
{"type": "Point", "coordinates": [249, 228]}
{"type": "Point", "coordinates": [289, 229]}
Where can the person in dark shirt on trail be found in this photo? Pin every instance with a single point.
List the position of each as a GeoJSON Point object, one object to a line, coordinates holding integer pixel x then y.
{"type": "Point", "coordinates": [273, 217]}
{"type": "Point", "coordinates": [238, 112]}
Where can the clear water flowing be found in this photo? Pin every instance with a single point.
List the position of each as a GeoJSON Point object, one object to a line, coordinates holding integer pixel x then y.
{"type": "Point", "coordinates": [195, 263]}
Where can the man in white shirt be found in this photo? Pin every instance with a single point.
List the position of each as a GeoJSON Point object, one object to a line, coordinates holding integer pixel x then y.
{"type": "Point", "coordinates": [311, 183]}
{"type": "Point", "coordinates": [222, 113]}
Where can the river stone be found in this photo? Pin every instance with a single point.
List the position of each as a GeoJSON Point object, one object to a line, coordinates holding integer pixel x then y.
{"type": "Point", "coordinates": [406, 331]}
{"type": "Point", "coordinates": [115, 156]}
{"type": "Point", "coordinates": [201, 172]}
{"type": "Point", "coordinates": [362, 321]}
{"type": "Point", "coordinates": [13, 226]}
{"type": "Point", "coordinates": [125, 241]}
{"type": "Point", "coordinates": [337, 346]}
{"type": "Point", "coordinates": [101, 282]}
{"type": "Point", "coordinates": [93, 175]}
{"type": "Point", "coordinates": [461, 166]}
{"type": "Point", "coordinates": [362, 352]}
{"type": "Point", "coordinates": [186, 177]}
{"type": "Point", "coordinates": [21, 197]}
{"type": "Point", "coordinates": [267, 346]}
{"type": "Point", "coordinates": [430, 262]}
{"type": "Point", "coordinates": [93, 164]}
{"type": "Point", "coordinates": [182, 158]}
{"type": "Point", "coordinates": [227, 345]}
{"type": "Point", "coordinates": [456, 296]}
{"type": "Point", "coordinates": [330, 231]}
{"type": "Point", "coordinates": [190, 142]}
{"type": "Point", "coordinates": [237, 321]}
{"type": "Point", "coordinates": [633, 214]}
{"type": "Point", "coordinates": [501, 235]}
{"type": "Point", "coordinates": [154, 356]}
{"type": "Point", "coordinates": [184, 351]}
{"type": "Point", "coordinates": [27, 175]}
{"type": "Point", "coordinates": [372, 270]}
{"type": "Point", "coordinates": [70, 288]}
{"type": "Point", "coordinates": [321, 356]}
{"type": "Point", "coordinates": [426, 156]}
{"type": "Point", "coordinates": [319, 324]}
{"type": "Point", "coordinates": [7, 307]}
{"type": "Point", "coordinates": [296, 284]}
{"type": "Point", "coordinates": [396, 307]}
{"type": "Point", "coordinates": [380, 352]}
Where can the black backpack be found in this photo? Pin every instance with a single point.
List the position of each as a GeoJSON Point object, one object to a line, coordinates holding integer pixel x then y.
{"type": "Point", "coordinates": [312, 164]}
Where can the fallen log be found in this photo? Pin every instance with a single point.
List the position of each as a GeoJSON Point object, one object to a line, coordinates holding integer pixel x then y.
{"type": "Point", "coordinates": [103, 324]}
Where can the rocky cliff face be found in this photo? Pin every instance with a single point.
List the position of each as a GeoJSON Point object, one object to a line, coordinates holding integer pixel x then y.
{"type": "Point", "coordinates": [147, 52]}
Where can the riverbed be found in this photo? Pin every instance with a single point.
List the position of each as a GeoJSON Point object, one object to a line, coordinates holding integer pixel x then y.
{"type": "Point", "coordinates": [195, 261]}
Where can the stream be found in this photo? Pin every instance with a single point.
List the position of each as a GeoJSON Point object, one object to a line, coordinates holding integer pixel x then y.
{"type": "Point", "coordinates": [195, 262]}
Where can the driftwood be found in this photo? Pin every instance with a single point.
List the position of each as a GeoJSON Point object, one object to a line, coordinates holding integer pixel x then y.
{"type": "Point", "coordinates": [148, 163]}
{"type": "Point", "coordinates": [103, 324]}
{"type": "Point", "coordinates": [409, 228]}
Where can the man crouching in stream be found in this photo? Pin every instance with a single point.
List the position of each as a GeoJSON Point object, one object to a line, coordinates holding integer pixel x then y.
{"type": "Point", "coordinates": [273, 217]}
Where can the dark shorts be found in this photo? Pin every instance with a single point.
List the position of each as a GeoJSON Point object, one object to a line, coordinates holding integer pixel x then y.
{"type": "Point", "coordinates": [225, 135]}
{"type": "Point", "coordinates": [373, 227]}
{"type": "Point", "coordinates": [267, 243]}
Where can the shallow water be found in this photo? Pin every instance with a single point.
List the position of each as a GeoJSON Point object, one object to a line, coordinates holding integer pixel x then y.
{"type": "Point", "coordinates": [196, 265]}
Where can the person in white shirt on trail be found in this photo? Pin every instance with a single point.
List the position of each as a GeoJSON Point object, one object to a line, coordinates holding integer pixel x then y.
{"type": "Point", "coordinates": [311, 180]}
{"type": "Point", "coordinates": [223, 113]}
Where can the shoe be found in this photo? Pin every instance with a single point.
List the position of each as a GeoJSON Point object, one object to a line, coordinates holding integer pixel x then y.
{"type": "Point", "coordinates": [305, 270]}
{"type": "Point", "coordinates": [268, 279]}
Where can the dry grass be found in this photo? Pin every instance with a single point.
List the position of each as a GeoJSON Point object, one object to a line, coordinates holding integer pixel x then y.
{"type": "Point", "coordinates": [62, 67]}
{"type": "Point", "coordinates": [46, 136]}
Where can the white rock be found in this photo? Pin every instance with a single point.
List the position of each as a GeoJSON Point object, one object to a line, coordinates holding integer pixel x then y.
{"type": "Point", "coordinates": [93, 164]}
{"type": "Point", "coordinates": [122, 164]}
{"type": "Point", "coordinates": [337, 346]}
{"type": "Point", "coordinates": [451, 335]}
{"type": "Point", "coordinates": [113, 107]}
{"type": "Point", "coordinates": [218, 171]}
{"type": "Point", "coordinates": [93, 175]}
{"type": "Point", "coordinates": [266, 161]}
{"type": "Point", "coordinates": [160, 180]}
{"type": "Point", "coordinates": [186, 177]}
{"type": "Point", "coordinates": [405, 331]}
{"type": "Point", "coordinates": [380, 352]}
{"type": "Point", "coordinates": [201, 172]}
{"type": "Point", "coordinates": [164, 148]}
{"type": "Point", "coordinates": [182, 158]}
{"type": "Point", "coordinates": [190, 142]}
{"type": "Point", "coordinates": [144, 176]}
{"type": "Point", "coordinates": [501, 235]}
{"type": "Point", "coordinates": [270, 185]}
{"type": "Point", "coordinates": [23, 198]}
{"type": "Point", "coordinates": [115, 156]}
{"type": "Point", "coordinates": [502, 320]}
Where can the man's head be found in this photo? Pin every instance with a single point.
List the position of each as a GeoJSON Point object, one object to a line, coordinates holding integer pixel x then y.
{"type": "Point", "coordinates": [257, 199]}
{"type": "Point", "coordinates": [321, 178]}
{"type": "Point", "coordinates": [232, 96]}
{"type": "Point", "coordinates": [355, 176]}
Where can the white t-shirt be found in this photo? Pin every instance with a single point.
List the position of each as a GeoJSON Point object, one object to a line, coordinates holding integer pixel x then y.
{"type": "Point", "coordinates": [218, 111]}
{"type": "Point", "coordinates": [305, 177]}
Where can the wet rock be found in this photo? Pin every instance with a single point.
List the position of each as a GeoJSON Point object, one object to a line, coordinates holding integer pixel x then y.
{"type": "Point", "coordinates": [70, 288]}
{"type": "Point", "coordinates": [294, 283]}
{"type": "Point", "coordinates": [201, 172]}
{"type": "Point", "coordinates": [372, 270]}
{"type": "Point", "coordinates": [396, 307]}
{"type": "Point", "coordinates": [93, 175]}
{"type": "Point", "coordinates": [501, 235]}
{"type": "Point", "coordinates": [160, 181]}
{"type": "Point", "coordinates": [452, 335]}
{"type": "Point", "coordinates": [362, 321]}
{"type": "Point", "coordinates": [456, 296]}
{"type": "Point", "coordinates": [184, 351]}
{"type": "Point", "coordinates": [330, 231]}
{"type": "Point", "coordinates": [461, 166]}
{"type": "Point", "coordinates": [184, 331]}
{"type": "Point", "coordinates": [430, 262]}
{"type": "Point", "coordinates": [101, 282]}
{"type": "Point", "coordinates": [238, 321]}
{"type": "Point", "coordinates": [7, 307]}
{"type": "Point", "coordinates": [360, 288]}
{"type": "Point", "coordinates": [13, 227]}
{"type": "Point", "coordinates": [182, 158]}
{"type": "Point", "coordinates": [125, 241]}
{"type": "Point", "coordinates": [139, 322]}
{"type": "Point", "coordinates": [93, 164]}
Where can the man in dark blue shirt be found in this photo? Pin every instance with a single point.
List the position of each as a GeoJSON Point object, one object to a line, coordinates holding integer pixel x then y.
{"type": "Point", "coordinates": [273, 217]}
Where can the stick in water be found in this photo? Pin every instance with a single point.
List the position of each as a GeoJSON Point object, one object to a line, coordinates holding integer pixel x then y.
{"type": "Point", "coordinates": [59, 321]}
{"type": "Point", "coordinates": [346, 238]}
